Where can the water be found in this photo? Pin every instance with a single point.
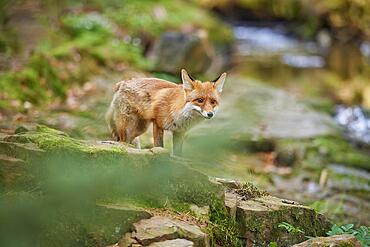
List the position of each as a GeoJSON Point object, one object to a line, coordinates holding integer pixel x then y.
{"type": "Point", "coordinates": [316, 68]}
{"type": "Point", "coordinates": [263, 40]}
{"type": "Point", "coordinates": [303, 61]}
{"type": "Point", "coordinates": [274, 41]}
{"type": "Point", "coordinates": [356, 123]}
{"type": "Point", "coordinates": [365, 49]}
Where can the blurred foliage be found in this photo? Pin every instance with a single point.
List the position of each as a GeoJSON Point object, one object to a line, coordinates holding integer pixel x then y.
{"type": "Point", "coordinates": [328, 208]}
{"type": "Point", "coordinates": [85, 37]}
{"type": "Point", "coordinates": [51, 198]}
{"type": "Point", "coordinates": [34, 83]}
{"type": "Point", "coordinates": [335, 150]}
{"type": "Point", "coordinates": [154, 17]}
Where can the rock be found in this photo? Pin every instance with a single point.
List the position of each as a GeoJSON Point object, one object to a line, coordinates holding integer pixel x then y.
{"type": "Point", "coordinates": [258, 219]}
{"type": "Point", "coordinates": [67, 177]}
{"type": "Point", "coordinates": [253, 116]}
{"type": "Point", "coordinates": [11, 171]}
{"type": "Point", "coordinates": [127, 240]}
{"type": "Point", "coordinates": [222, 60]}
{"type": "Point", "coordinates": [199, 211]}
{"type": "Point", "coordinates": [20, 150]}
{"type": "Point", "coordinates": [332, 241]}
{"type": "Point", "coordinates": [21, 129]}
{"type": "Point", "coordinates": [343, 178]}
{"type": "Point", "coordinates": [228, 183]}
{"type": "Point", "coordinates": [154, 229]}
{"type": "Point", "coordinates": [351, 208]}
{"type": "Point", "coordinates": [160, 228]}
{"type": "Point", "coordinates": [252, 109]}
{"type": "Point", "coordinates": [172, 51]}
{"type": "Point", "coordinates": [286, 157]}
{"type": "Point", "coordinates": [173, 243]}
{"type": "Point", "coordinates": [165, 177]}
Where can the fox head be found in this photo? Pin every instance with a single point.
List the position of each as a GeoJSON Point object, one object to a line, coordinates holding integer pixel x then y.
{"type": "Point", "coordinates": [202, 97]}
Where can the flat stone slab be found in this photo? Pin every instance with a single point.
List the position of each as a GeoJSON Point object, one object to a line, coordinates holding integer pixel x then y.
{"type": "Point", "coordinates": [159, 228]}
{"type": "Point", "coordinates": [332, 241]}
{"type": "Point", "coordinates": [250, 108]}
{"type": "Point", "coordinates": [173, 243]}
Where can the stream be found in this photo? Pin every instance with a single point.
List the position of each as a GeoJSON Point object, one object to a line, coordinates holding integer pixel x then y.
{"type": "Point", "coordinates": [269, 49]}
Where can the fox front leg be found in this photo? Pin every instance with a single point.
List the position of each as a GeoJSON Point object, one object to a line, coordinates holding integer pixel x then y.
{"type": "Point", "coordinates": [177, 140]}
{"type": "Point", "coordinates": [157, 135]}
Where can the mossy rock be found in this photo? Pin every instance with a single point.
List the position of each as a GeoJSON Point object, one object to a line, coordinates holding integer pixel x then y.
{"type": "Point", "coordinates": [55, 151]}
{"type": "Point", "coordinates": [316, 152]}
{"type": "Point", "coordinates": [177, 47]}
{"type": "Point", "coordinates": [69, 177]}
{"type": "Point", "coordinates": [259, 217]}
{"type": "Point", "coordinates": [338, 151]}
{"type": "Point", "coordinates": [345, 240]}
{"type": "Point", "coordinates": [356, 181]}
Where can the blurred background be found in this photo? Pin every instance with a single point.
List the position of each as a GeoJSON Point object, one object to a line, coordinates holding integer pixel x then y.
{"type": "Point", "coordinates": [295, 114]}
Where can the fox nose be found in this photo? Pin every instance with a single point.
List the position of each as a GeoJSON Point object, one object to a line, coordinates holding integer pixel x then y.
{"type": "Point", "coordinates": [210, 114]}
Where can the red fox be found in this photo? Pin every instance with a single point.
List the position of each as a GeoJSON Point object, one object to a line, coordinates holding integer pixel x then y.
{"type": "Point", "coordinates": [173, 107]}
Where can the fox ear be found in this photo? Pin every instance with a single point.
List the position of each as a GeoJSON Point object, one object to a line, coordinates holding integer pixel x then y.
{"type": "Point", "coordinates": [187, 80]}
{"type": "Point", "coordinates": [219, 82]}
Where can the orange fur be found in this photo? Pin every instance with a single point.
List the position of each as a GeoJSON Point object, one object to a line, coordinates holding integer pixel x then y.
{"type": "Point", "coordinates": [169, 106]}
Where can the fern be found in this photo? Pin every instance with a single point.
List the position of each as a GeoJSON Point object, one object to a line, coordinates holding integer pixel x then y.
{"type": "Point", "coordinates": [290, 228]}
{"type": "Point", "coordinates": [362, 234]}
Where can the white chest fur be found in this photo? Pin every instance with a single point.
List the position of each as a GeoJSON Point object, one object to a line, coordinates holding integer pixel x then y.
{"type": "Point", "coordinates": [185, 119]}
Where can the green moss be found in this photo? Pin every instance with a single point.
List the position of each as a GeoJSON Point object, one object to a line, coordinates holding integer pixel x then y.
{"type": "Point", "coordinates": [337, 150]}
{"type": "Point", "coordinates": [117, 51]}
{"type": "Point", "coordinates": [329, 208]}
{"type": "Point", "coordinates": [154, 17]}
{"type": "Point", "coordinates": [222, 229]}
{"type": "Point", "coordinates": [78, 25]}
{"type": "Point", "coordinates": [38, 82]}
{"type": "Point", "coordinates": [324, 150]}
{"type": "Point", "coordinates": [250, 191]}
{"type": "Point", "coordinates": [83, 43]}
{"type": "Point", "coordinates": [259, 221]}
{"type": "Point", "coordinates": [346, 244]}
{"type": "Point", "coordinates": [53, 140]}
{"type": "Point", "coordinates": [8, 41]}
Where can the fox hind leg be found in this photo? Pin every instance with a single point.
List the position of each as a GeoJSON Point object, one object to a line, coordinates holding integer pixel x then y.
{"type": "Point", "coordinates": [121, 133]}
{"type": "Point", "coordinates": [109, 118]}
{"type": "Point", "coordinates": [135, 127]}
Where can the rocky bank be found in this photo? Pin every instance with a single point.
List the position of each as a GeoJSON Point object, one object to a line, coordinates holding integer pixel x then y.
{"type": "Point", "coordinates": [116, 188]}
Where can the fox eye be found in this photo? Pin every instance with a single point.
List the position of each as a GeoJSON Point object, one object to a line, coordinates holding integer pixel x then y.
{"type": "Point", "coordinates": [199, 100]}
{"type": "Point", "coordinates": [213, 102]}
